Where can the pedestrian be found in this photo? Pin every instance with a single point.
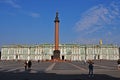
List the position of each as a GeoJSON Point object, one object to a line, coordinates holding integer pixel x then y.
{"type": "Point", "coordinates": [25, 65]}
{"type": "Point", "coordinates": [29, 64]}
{"type": "Point", "coordinates": [118, 64]}
{"type": "Point", "coordinates": [38, 61]}
{"type": "Point", "coordinates": [90, 66]}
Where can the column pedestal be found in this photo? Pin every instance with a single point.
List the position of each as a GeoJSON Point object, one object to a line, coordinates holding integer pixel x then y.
{"type": "Point", "coordinates": [56, 54]}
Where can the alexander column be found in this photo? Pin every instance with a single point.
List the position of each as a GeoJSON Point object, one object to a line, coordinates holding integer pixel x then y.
{"type": "Point", "coordinates": [56, 53]}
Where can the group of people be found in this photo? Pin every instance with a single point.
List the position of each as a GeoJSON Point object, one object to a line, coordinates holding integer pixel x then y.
{"type": "Point", "coordinates": [28, 65]}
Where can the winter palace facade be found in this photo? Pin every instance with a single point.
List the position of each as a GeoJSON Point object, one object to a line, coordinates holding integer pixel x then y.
{"type": "Point", "coordinates": [73, 52]}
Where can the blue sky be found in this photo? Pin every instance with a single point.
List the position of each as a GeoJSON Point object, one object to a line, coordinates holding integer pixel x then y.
{"type": "Point", "coordinates": [81, 21]}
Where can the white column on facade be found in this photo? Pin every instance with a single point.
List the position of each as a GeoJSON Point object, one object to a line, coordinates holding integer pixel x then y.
{"type": "Point", "coordinates": [74, 50]}
{"type": "Point", "coordinates": [86, 54]}
{"type": "Point", "coordinates": [18, 52]}
{"type": "Point", "coordinates": [65, 50]}
{"type": "Point", "coordinates": [38, 50]}
{"type": "Point", "coordinates": [117, 52]}
{"type": "Point", "coordinates": [101, 53]}
{"type": "Point", "coordinates": [92, 52]}
{"type": "Point", "coordinates": [22, 50]}
{"type": "Point", "coordinates": [79, 54]}
{"type": "Point", "coordinates": [28, 51]}
{"type": "Point", "coordinates": [61, 50]}
{"type": "Point", "coordinates": [28, 57]}
{"type": "Point", "coordinates": [8, 53]}
{"type": "Point", "coordinates": [36, 57]}
{"type": "Point", "coordinates": [65, 57]}
{"type": "Point", "coordinates": [7, 57]}
{"type": "Point", "coordinates": [14, 53]}
{"type": "Point", "coordinates": [107, 53]}
{"type": "Point", "coordinates": [51, 51]}
{"type": "Point", "coordinates": [40, 57]}
{"type": "Point", "coordinates": [74, 57]}
{"type": "Point", "coordinates": [8, 50]}
{"type": "Point", "coordinates": [79, 51]}
{"type": "Point", "coordinates": [113, 54]}
{"type": "Point", "coordinates": [78, 57]}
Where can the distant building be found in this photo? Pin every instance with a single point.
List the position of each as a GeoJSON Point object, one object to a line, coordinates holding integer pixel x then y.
{"type": "Point", "coordinates": [73, 52]}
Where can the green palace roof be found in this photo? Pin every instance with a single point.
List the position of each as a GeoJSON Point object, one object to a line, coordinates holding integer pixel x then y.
{"type": "Point", "coordinates": [65, 45]}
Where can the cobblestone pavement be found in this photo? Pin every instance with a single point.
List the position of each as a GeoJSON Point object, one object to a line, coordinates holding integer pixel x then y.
{"type": "Point", "coordinates": [77, 70]}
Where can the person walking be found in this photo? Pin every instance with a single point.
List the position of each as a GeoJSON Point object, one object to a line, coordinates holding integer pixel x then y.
{"type": "Point", "coordinates": [25, 65]}
{"type": "Point", "coordinates": [118, 64]}
{"type": "Point", "coordinates": [29, 64]}
{"type": "Point", "coordinates": [90, 66]}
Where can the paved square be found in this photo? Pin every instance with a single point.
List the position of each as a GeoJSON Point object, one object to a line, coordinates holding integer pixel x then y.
{"type": "Point", "coordinates": [77, 70]}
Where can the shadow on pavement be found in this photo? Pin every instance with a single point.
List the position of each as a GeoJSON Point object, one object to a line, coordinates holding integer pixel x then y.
{"type": "Point", "coordinates": [26, 75]}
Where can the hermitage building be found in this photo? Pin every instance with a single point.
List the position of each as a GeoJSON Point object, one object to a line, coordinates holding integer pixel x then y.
{"type": "Point", "coordinates": [72, 52]}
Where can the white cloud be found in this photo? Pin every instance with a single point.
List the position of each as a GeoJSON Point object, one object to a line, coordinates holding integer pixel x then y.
{"type": "Point", "coordinates": [109, 33]}
{"type": "Point", "coordinates": [34, 15]}
{"type": "Point", "coordinates": [91, 18]}
{"type": "Point", "coordinates": [31, 14]}
{"type": "Point", "coordinates": [99, 22]}
{"type": "Point", "coordinates": [12, 3]}
{"type": "Point", "coordinates": [98, 17]}
{"type": "Point", "coordinates": [88, 41]}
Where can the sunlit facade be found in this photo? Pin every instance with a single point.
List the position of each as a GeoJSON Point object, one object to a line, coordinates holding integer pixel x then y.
{"type": "Point", "coordinates": [73, 52]}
